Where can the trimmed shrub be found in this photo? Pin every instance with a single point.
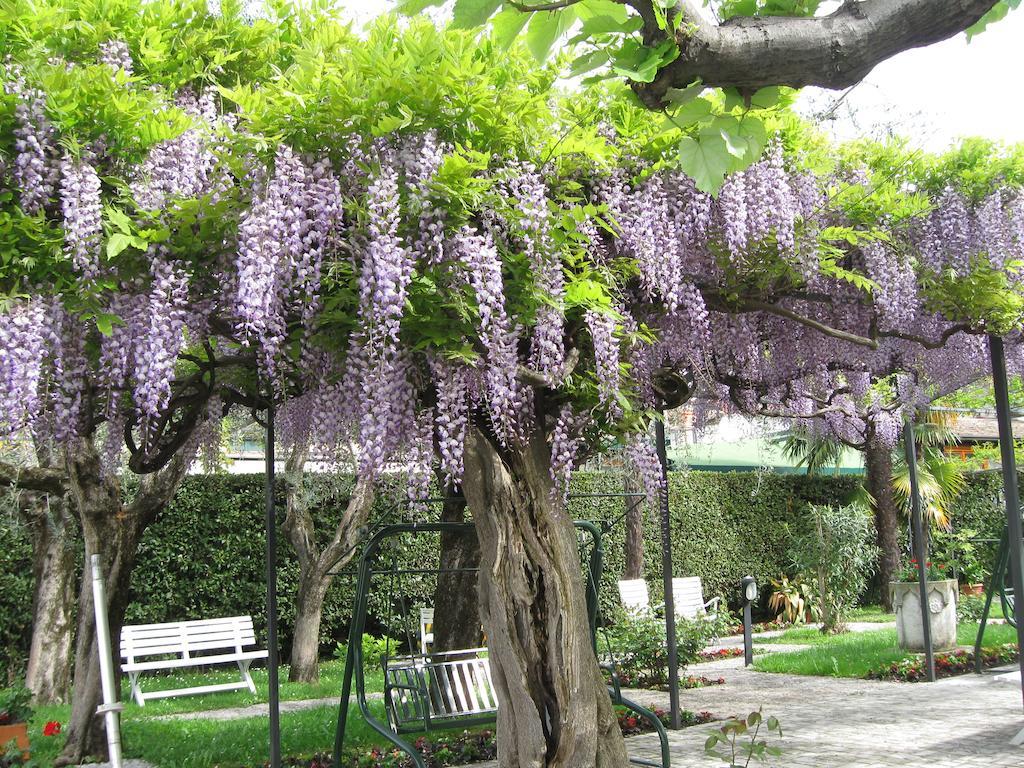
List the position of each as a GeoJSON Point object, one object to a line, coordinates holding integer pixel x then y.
{"type": "Point", "coordinates": [16, 586]}
{"type": "Point", "coordinates": [205, 554]}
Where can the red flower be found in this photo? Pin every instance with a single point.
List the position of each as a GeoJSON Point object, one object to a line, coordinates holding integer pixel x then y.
{"type": "Point", "coordinates": [52, 728]}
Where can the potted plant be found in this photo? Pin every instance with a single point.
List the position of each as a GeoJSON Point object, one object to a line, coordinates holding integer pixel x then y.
{"type": "Point", "coordinates": [906, 602]}
{"type": "Point", "coordinates": [15, 712]}
{"type": "Point", "coordinates": [958, 549]}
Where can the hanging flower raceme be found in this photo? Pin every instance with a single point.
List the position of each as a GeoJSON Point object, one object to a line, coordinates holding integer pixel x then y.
{"type": "Point", "coordinates": [896, 296]}
{"type": "Point", "coordinates": [37, 157]}
{"type": "Point", "coordinates": [82, 209]}
{"type": "Point", "coordinates": [644, 461]}
{"type": "Point", "coordinates": [280, 250]}
{"type": "Point", "coordinates": [500, 340]}
{"type": "Point", "coordinates": [606, 359]}
{"type": "Point", "coordinates": [565, 445]}
{"type": "Point", "coordinates": [23, 343]}
{"type": "Point", "coordinates": [451, 382]}
{"type": "Point", "coordinates": [529, 196]}
{"type": "Point", "coordinates": [161, 338]}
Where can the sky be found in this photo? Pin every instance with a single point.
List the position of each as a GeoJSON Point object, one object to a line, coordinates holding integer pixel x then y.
{"type": "Point", "coordinates": [933, 95]}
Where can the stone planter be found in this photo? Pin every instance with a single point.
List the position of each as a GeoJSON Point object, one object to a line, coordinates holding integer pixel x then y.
{"type": "Point", "coordinates": [941, 608]}
{"type": "Point", "coordinates": [18, 733]}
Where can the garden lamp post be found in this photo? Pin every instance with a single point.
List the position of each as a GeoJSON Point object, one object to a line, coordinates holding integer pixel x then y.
{"type": "Point", "coordinates": [749, 589]}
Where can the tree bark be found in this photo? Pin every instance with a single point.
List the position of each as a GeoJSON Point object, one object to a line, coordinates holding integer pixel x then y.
{"type": "Point", "coordinates": [315, 564]}
{"type": "Point", "coordinates": [554, 708]}
{"type": "Point", "coordinates": [878, 476]}
{"type": "Point", "coordinates": [456, 608]}
{"type": "Point", "coordinates": [634, 545]}
{"type": "Point", "coordinates": [112, 530]}
{"type": "Point", "coordinates": [834, 51]}
{"type": "Point", "coordinates": [52, 527]}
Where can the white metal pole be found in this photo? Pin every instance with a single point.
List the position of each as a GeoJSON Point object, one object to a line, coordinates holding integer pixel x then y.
{"type": "Point", "coordinates": [110, 708]}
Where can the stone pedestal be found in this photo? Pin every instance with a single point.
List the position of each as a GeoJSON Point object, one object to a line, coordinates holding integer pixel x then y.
{"type": "Point", "coordinates": [906, 601]}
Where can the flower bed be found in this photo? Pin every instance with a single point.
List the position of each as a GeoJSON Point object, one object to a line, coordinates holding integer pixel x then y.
{"type": "Point", "coordinates": [959, 662]}
{"type": "Point", "coordinates": [719, 653]}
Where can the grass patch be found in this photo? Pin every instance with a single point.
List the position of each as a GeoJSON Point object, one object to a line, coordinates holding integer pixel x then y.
{"type": "Point", "coordinates": [143, 737]}
{"type": "Point", "coordinates": [854, 654]}
{"type": "Point", "coordinates": [871, 613]}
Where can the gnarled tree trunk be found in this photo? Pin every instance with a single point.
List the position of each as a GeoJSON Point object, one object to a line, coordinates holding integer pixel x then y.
{"type": "Point", "coordinates": [112, 530]}
{"type": "Point", "coordinates": [878, 477]}
{"type": "Point", "coordinates": [456, 608]}
{"type": "Point", "coordinates": [315, 564]}
{"type": "Point", "coordinates": [634, 544]}
{"type": "Point", "coordinates": [52, 527]}
{"type": "Point", "coordinates": [554, 707]}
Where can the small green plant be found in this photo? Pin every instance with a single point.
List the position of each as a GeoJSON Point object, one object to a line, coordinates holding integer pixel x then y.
{"type": "Point", "coordinates": [959, 550]}
{"type": "Point", "coordinates": [836, 545]}
{"type": "Point", "coordinates": [969, 608]}
{"type": "Point", "coordinates": [638, 644]}
{"type": "Point", "coordinates": [15, 705]}
{"type": "Point", "coordinates": [374, 650]}
{"type": "Point", "coordinates": [793, 599]}
{"type": "Point", "coordinates": [737, 739]}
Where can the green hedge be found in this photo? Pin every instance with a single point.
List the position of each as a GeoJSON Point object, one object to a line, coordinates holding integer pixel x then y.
{"type": "Point", "coordinates": [15, 597]}
{"type": "Point", "coordinates": [205, 555]}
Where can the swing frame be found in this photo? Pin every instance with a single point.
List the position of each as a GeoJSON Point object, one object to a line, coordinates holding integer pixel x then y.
{"type": "Point", "coordinates": [354, 657]}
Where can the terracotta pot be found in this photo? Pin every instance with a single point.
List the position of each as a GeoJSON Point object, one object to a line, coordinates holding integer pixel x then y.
{"type": "Point", "coordinates": [972, 589]}
{"type": "Point", "coordinates": [17, 733]}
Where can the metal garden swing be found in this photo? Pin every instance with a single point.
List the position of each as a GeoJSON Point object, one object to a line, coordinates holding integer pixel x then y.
{"type": "Point", "coordinates": [424, 691]}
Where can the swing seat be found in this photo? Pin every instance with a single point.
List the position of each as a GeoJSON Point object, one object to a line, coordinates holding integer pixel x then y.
{"type": "Point", "coordinates": [440, 690]}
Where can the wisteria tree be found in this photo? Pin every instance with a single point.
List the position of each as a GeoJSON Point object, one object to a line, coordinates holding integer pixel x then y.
{"type": "Point", "coordinates": [417, 247]}
{"type": "Point", "coordinates": [110, 176]}
{"type": "Point", "coordinates": [971, 224]}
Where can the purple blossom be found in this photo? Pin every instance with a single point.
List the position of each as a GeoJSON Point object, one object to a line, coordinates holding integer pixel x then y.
{"type": "Point", "coordinates": [83, 215]}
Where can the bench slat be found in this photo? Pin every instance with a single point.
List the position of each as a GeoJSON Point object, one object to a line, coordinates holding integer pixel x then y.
{"type": "Point", "coordinates": [198, 661]}
{"type": "Point", "coordinates": [198, 689]}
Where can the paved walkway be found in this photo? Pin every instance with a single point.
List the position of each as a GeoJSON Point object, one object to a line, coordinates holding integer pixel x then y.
{"type": "Point", "coordinates": [959, 722]}
{"type": "Point", "coordinates": [831, 722]}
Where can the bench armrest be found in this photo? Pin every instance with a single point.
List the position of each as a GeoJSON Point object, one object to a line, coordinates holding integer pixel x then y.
{"type": "Point", "coordinates": [712, 603]}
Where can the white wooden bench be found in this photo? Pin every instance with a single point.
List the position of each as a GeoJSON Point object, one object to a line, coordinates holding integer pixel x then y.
{"type": "Point", "coordinates": [426, 630]}
{"type": "Point", "coordinates": [183, 644]}
{"type": "Point", "coordinates": [455, 685]}
{"type": "Point", "coordinates": [687, 598]}
{"type": "Point", "coordinates": [635, 597]}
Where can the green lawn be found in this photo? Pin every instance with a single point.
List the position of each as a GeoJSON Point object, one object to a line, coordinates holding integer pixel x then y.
{"type": "Point", "coordinates": [226, 742]}
{"type": "Point", "coordinates": [853, 654]}
{"type": "Point", "coordinates": [871, 613]}
{"type": "Point", "coordinates": [202, 743]}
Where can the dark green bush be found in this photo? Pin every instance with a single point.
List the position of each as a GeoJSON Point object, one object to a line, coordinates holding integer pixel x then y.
{"type": "Point", "coordinates": [16, 583]}
{"type": "Point", "coordinates": [205, 555]}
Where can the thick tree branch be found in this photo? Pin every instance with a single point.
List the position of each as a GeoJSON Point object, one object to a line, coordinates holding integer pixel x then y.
{"type": "Point", "coordinates": [834, 51]}
{"type": "Point", "coordinates": [531, 7]}
{"type": "Point", "coordinates": [40, 479]}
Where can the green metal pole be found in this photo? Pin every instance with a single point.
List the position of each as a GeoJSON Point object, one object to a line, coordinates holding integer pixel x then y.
{"type": "Point", "coordinates": [910, 451]}
{"type": "Point", "coordinates": [666, 574]}
{"type": "Point", "coordinates": [273, 682]}
{"type": "Point", "coordinates": [1014, 532]}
